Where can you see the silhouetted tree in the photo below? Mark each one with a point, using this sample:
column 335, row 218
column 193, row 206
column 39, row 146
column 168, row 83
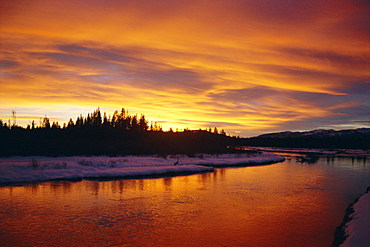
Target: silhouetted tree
column 134, row 124
column 55, row 125
column 79, row 121
column 114, row 119
column 70, row 123
column 96, row 119
column 143, row 123
column 46, row 122
column 106, row 123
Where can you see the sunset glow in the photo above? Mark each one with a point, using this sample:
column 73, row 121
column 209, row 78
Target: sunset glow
column 248, row 67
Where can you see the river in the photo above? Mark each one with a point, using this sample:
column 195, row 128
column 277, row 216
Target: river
column 285, row 204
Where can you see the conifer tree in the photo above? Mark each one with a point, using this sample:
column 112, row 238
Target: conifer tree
column 143, row 124
column 46, row 122
column 134, row 124
column 70, row 123
column 114, row 118
column 106, row 123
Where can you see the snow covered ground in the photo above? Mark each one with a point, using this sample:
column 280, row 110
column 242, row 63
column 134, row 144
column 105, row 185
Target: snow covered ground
column 34, row 169
column 358, row 228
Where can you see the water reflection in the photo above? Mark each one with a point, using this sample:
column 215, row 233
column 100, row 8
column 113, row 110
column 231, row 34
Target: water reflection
column 287, row 204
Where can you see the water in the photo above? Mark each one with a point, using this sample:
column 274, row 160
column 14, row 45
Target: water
column 285, row 204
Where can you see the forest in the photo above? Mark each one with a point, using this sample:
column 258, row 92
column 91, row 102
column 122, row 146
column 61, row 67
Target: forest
column 97, row 134
column 350, row 141
column 125, row 134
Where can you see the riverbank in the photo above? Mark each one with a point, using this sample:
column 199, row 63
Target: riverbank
column 39, row 169
column 355, row 229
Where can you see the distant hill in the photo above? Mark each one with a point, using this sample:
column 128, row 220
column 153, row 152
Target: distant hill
column 320, row 138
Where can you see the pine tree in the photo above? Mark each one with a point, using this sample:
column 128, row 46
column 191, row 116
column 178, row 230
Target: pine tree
column 134, row 124
column 114, row 118
column 70, row 123
column 46, row 122
column 55, row 125
column 96, row 119
column 106, row 123
column 143, row 124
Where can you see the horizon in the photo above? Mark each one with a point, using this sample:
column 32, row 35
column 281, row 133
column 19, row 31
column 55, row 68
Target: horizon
column 248, row 67
column 12, row 122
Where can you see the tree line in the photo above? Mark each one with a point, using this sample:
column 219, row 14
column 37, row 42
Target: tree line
column 99, row 134
column 121, row 120
column 356, row 141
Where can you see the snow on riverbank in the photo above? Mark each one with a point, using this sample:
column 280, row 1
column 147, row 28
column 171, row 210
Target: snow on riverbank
column 358, row 228
column 32, row 169
column 226, row 160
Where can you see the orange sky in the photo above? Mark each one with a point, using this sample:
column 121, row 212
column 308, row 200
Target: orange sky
column 249, row 67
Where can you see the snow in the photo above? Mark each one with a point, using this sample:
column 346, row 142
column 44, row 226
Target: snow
column 358, row 229
column 35, row 169
column 225, row 160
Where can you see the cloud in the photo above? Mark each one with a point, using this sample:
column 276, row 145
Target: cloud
column 250, row 66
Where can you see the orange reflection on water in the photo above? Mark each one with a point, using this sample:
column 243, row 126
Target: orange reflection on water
column 287, row 204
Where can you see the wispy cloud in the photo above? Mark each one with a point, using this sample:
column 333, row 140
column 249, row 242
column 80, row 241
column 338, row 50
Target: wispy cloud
column 246, row 66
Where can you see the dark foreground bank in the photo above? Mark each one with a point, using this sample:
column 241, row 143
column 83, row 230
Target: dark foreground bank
column 354, row 231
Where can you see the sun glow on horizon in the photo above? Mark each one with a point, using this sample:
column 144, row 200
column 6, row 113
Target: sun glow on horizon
column 247, row 66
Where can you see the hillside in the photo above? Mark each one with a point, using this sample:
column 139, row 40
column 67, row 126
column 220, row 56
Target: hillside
column 349, row 138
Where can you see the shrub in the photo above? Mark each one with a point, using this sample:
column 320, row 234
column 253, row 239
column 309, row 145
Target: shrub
column 112, row 163
column 34, row 164
column 200, row 156
column 60, row 165
column 84, row 163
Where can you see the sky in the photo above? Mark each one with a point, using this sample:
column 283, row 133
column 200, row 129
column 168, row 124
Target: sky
column 248, row 67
